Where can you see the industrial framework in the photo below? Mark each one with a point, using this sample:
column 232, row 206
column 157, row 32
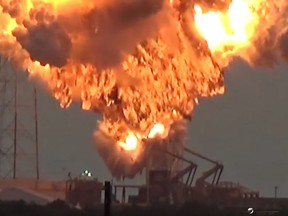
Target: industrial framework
column 19, row 151
column 165, row 186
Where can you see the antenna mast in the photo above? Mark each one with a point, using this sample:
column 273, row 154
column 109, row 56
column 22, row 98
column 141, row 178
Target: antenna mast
column 19, row 150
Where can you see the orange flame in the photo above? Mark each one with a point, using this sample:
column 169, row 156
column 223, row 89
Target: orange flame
column 227, row 33
column 160, row 81
column 131, row 142
column 157, row 129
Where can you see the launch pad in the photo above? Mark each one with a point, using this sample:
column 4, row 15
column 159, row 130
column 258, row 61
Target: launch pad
column 168, row 186
column 163, row 186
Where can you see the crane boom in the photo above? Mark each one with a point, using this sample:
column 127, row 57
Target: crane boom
column 190, row 169
column 215, row 170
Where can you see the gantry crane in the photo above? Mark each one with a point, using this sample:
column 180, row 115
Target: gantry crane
column 190, row 170
column 215, row 171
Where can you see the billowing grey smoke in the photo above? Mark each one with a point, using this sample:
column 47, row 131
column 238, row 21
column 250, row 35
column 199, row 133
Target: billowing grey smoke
column 270, row 49
column 103, row 35
column 46, row 43
column 283, row 43
column 115, row 30
column 266, row 52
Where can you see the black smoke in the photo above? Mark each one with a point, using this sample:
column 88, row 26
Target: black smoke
column 111, row 32
column 102, row 36
column 283, row 43
column 46, row 43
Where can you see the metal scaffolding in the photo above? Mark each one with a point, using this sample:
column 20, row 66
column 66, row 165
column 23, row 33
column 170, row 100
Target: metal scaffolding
column 19, row 152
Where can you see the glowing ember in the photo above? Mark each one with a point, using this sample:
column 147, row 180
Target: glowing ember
column 138, row 62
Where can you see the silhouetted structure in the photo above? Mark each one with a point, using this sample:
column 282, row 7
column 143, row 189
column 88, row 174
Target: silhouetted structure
column 18, row 124
column 107, row 198
column 83, row 193
column 60, row 208
column 165, row 186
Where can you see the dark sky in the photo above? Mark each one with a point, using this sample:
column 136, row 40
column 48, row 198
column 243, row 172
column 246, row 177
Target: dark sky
column 246, row 129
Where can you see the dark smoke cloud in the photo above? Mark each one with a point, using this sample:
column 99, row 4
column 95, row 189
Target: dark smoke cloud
column 265, row 54
column 270, row 47
column 101, row 36
column 47, row 43
column 283, row 44
column 114, row 30
column 124, row 13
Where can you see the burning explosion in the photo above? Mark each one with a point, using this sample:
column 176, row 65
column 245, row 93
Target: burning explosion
column 142, row 64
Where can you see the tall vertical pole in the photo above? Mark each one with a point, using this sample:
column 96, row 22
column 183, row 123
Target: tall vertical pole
column 107, row 198
column 36, row 135
column 275, row 192
column 2, row 112
column 148, row 181
column 15, row 126
column 17, row 105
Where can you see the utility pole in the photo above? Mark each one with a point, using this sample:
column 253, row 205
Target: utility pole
column 36, row 135
column 19, row 147
column 107, row 198
column 275, row 191
column 15, row 125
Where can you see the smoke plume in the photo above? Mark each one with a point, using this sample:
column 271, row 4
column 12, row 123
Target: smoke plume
column 140, row 63
column 100, row 36
column 48, row 44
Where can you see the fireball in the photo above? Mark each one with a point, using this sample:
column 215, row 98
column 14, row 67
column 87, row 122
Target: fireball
column 142, row 65
column 228, row 32
column 131, row 142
